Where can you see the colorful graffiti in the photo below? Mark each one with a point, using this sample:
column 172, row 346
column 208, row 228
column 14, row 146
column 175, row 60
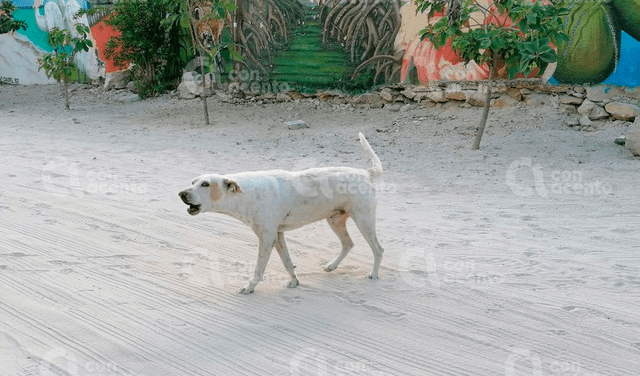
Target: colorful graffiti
column 384, row 37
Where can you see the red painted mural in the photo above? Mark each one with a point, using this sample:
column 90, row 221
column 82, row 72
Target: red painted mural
column 101, row 33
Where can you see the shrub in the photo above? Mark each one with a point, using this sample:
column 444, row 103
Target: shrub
column 151, row 45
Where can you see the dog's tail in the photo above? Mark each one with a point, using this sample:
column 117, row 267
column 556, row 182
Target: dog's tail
column 376, row 170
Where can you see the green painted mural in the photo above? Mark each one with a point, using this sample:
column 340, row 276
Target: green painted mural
column 354, row 44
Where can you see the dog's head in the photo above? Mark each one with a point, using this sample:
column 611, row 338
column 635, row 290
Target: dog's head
column 206, row 191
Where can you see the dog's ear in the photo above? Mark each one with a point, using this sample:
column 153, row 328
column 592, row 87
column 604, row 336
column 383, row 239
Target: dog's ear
column 232, row 186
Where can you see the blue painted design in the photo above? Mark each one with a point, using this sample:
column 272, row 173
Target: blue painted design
column 33, row 33
column 29, row 3
column 25, row 13
column 628, row 71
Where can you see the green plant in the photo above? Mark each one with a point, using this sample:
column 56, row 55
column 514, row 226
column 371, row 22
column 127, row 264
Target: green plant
column 146, row 41
column 59, row 63
column 518, row 33
column 7, row 23
column 216, row 46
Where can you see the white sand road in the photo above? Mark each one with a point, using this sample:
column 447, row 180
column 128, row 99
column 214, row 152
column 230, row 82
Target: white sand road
column 490, row 267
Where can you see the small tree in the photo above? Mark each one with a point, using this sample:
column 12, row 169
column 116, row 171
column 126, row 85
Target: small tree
column 518, row 33
column 59, row 64
column 219, row 11
column 7, row 23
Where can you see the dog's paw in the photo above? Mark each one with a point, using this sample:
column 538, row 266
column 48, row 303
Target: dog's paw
column 246, row 289
column 292, row 284
column 330, row 267
column 370, row 275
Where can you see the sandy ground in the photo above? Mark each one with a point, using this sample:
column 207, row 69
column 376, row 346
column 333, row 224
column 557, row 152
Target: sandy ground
column 522, row 258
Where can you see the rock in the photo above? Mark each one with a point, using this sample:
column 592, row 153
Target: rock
column 386, row 94
column 454, row 91
column 407, row 107
column 504, row 101
column 283, row 97
column 372, row 99
column 623, row 111
column 191, row 76
column 394, row 107
column 585, row 122
column 187, row 89
column 127, row 98
column 451, row 105
column 415, row 93
column 437, row 96
column 224, row 97
column 632, row 92
column 192, row 89
column 536, row 100
column 602, row 92
column 572, row 122
column 586, row 107
column 117, row 80
column 515, row 94
column 622, row 140
column 131, row 86
column 578, row 95
column 269, row 96
column 426, row 102
column 327, row 95
column 598, row 113
column 295, row 95
column 570, row 99
column 525, row 91
column 296, row 124
column 567, row 109
column 633, row 138
column 476, row 99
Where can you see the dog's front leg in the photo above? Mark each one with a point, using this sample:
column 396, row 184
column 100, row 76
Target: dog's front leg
column 266, row 243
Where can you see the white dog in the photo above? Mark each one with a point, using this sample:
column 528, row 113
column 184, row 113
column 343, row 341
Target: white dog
column 272, row 202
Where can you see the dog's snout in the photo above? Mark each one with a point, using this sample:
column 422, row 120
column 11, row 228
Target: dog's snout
column 184, row 195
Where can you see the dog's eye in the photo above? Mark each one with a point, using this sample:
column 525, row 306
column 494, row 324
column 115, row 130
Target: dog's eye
column 205, row 184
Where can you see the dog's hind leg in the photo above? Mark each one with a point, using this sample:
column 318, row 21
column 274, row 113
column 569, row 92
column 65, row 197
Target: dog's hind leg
column 283, row 252
column 266, row 242
column 366, row 223
column 338, row 224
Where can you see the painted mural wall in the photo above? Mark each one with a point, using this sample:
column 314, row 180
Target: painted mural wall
column 19, row 52
column 338, row 40
column 604, row 47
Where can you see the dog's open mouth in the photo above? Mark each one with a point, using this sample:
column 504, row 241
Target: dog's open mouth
column 193, row 209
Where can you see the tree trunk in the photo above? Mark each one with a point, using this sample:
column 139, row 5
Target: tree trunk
column 237, row 29
column 66, row 93
column 204, row 90
column 487, row 103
